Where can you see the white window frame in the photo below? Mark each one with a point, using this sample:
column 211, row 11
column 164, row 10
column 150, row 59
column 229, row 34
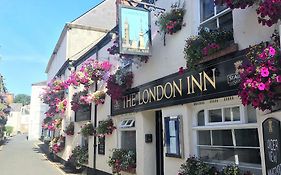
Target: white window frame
column 229, row 125
column 216, row 15
column 128, row 128
column 241, row 111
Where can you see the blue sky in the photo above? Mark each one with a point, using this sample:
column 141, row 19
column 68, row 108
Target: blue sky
column 29, row 30
column 142, row 22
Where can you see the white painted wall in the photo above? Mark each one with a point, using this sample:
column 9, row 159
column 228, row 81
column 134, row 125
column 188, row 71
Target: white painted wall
column 14, row 121
column 37, row 110
column 59, row 59
column 102, row 16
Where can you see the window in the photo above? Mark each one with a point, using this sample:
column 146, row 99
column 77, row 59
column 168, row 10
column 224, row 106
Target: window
column 127, row 134
column 213, row 17
column 127, row 123
column 220, row 115
column 240, row 146
column 85, row 142
column 224, row 136
column 172, row 139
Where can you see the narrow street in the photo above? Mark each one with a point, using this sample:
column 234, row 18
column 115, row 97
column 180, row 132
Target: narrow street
column 19, row 156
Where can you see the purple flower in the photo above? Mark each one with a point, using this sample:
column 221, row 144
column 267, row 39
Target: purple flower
column 261, row 86
column 264, row 72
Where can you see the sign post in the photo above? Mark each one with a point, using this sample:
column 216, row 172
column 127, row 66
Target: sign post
column 272, row 144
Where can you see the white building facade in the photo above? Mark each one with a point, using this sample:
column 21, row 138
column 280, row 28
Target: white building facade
column 37, row 110
column 168, row 128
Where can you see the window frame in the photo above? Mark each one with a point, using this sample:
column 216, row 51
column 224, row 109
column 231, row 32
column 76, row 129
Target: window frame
column 232, row 125
column 121, row 129
column 241, row 111
column 216, row 15
column 179, row 137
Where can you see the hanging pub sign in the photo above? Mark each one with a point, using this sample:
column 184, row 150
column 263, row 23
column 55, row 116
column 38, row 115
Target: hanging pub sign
column 272, row 146
column 217, row 78
column 134, row 31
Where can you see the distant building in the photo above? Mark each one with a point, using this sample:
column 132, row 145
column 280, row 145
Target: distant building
column 24, row 118
column 14, row 118
column 37, row 110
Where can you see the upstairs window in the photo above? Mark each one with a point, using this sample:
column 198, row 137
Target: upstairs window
column 215, row 16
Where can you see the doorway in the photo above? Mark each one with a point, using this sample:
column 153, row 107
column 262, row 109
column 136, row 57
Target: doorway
column 159, row 144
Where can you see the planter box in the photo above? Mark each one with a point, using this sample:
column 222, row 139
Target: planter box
column 233, row 47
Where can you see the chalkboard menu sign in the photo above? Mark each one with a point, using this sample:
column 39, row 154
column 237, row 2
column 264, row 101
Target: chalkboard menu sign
column 272, row 146
column 83, row 113
column 101, row 145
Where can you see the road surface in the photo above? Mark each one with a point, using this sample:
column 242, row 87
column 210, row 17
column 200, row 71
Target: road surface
column 21, row 157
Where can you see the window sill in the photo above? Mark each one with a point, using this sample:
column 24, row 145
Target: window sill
column 233, row 47
column 173, row 155
column 226, row 126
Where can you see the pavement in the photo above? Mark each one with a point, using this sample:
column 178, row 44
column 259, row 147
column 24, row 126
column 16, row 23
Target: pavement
column 19, row 156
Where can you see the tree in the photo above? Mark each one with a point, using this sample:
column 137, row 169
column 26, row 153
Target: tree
column 9, row 130
column 22, row 98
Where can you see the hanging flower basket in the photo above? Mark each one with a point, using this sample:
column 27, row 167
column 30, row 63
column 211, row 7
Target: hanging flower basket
column 98, row 97
column 53, row 96
column 79, row 100
column 58, row 122
column 269, row 12
column 260, row 77
column 87, row 129
column 118, row 83
column 106, row 127
column 172, row 21
column 57, row 144
column 208, row 45
column 122, row 160
column 69, row 130
column 90, row 72
column 79, row 156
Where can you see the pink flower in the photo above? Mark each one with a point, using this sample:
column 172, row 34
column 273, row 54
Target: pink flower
column 264, row 72
column 272, row 51
column 255, row 102
column 278, row 78
column 261, row 97
column 262, row 56
column 261, row 86
column 181, row 70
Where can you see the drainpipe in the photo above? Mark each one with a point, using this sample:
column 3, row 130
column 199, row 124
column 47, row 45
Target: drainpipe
column 279, row 34
column 95, row 122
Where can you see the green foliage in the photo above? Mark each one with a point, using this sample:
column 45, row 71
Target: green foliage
column 79, row 155
column 122, row 160
column 172, row 21
column 9, row 130
column 231, row 170
column 197, row 47
column 194, row 166
column 22, row 98
column 87, row 129
column 105, row 127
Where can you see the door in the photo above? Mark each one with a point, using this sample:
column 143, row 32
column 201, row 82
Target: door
column 159, row 144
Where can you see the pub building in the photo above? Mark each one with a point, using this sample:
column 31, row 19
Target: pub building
column 168, row 115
